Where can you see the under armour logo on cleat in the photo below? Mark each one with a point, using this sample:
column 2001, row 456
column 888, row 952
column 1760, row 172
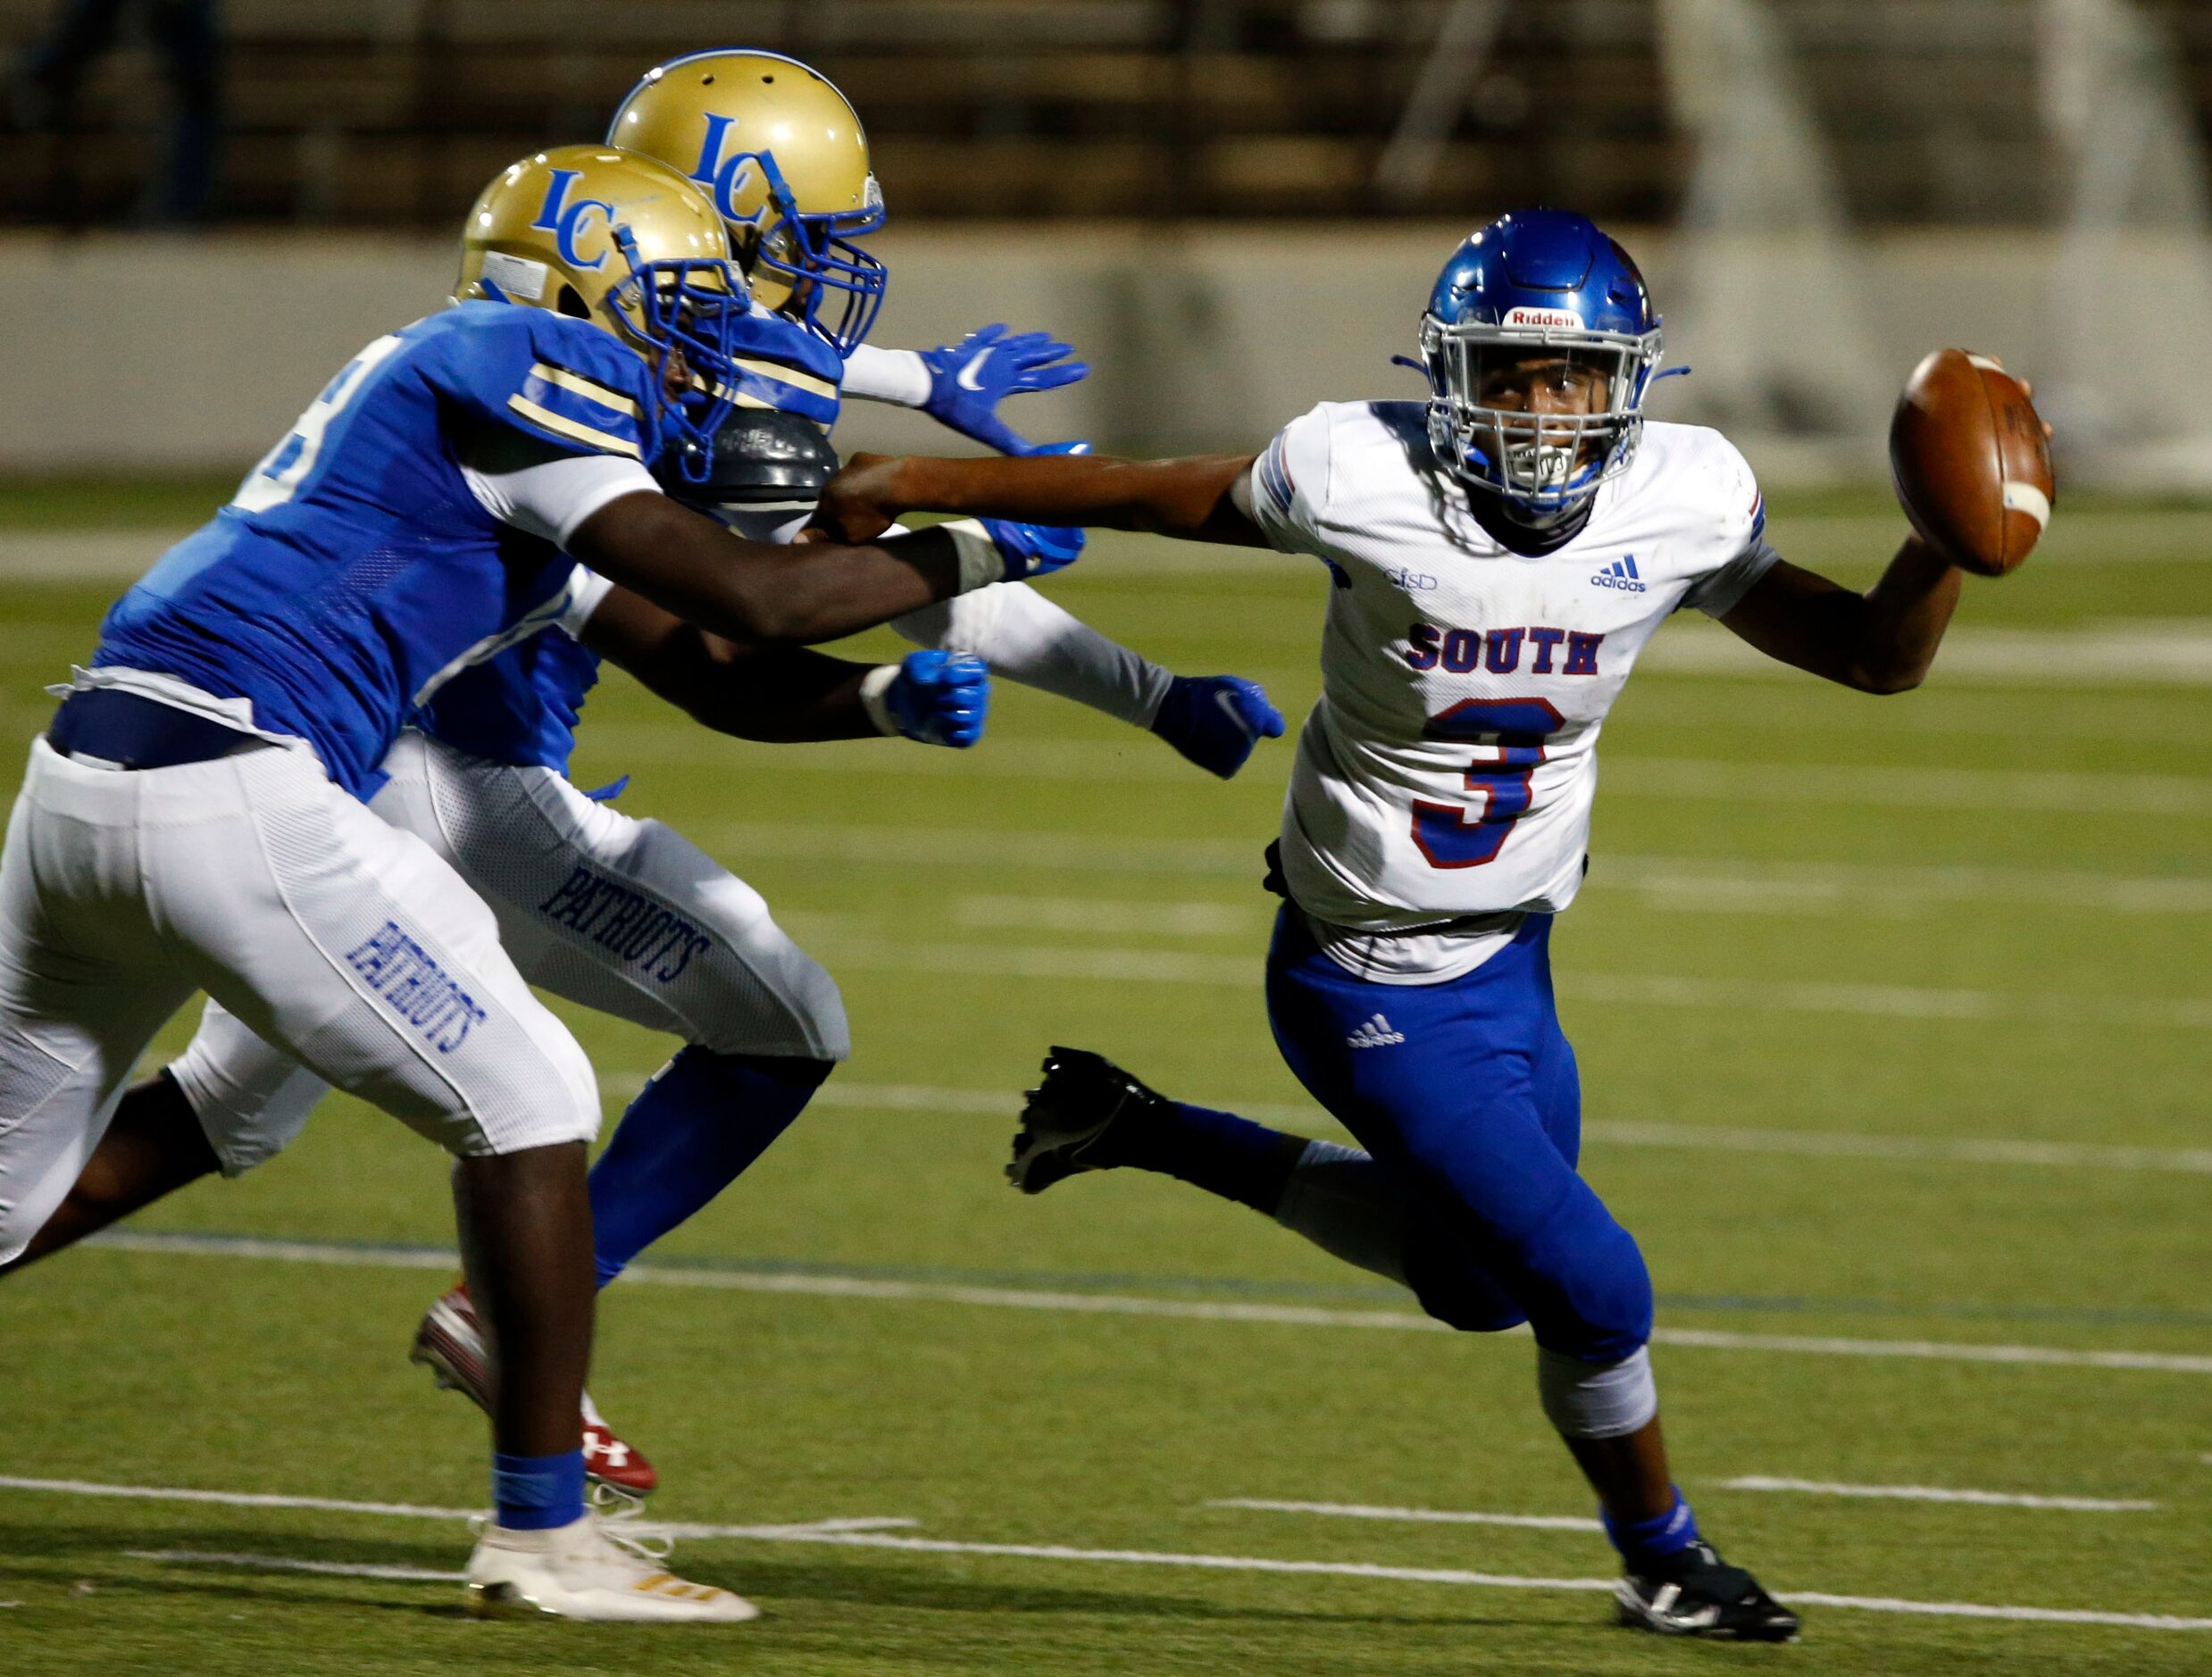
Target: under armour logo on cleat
column 1375, row 1033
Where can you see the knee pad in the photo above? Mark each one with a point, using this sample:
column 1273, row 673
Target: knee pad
column 1596, row 1400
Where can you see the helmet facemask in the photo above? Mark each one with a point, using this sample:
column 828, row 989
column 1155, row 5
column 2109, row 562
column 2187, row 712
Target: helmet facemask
column 1541, row 417
column 814, row 255
column 682, row 314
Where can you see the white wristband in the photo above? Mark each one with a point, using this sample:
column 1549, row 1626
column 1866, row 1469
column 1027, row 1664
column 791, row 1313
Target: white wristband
column 875, row 697
column 981, row 562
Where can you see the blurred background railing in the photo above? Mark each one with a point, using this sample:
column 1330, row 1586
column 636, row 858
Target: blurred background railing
column 381, row 113
column 1817, row 183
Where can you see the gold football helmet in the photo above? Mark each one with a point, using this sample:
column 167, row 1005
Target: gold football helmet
column 627, row 244
column 782, row 155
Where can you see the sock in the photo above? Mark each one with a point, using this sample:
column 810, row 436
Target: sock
column 1347, row 1206
column 1647, row 1546
column 688, row 1135
column 536, row 1493
column 1217, row 1151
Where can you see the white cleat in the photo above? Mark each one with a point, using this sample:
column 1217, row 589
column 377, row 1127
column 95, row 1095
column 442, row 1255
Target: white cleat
column 583, row 1572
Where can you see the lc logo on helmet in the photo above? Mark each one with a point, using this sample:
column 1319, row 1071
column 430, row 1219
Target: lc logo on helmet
column 719, row 174
column 567, row 222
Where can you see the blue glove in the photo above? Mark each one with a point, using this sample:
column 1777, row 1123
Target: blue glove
column 1034, row 550
column 939, row 699
column 1216, row 720
column 970, row 378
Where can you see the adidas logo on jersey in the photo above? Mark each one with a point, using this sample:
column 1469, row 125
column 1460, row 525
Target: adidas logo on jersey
column 1620, row 574
column 1375, row 1033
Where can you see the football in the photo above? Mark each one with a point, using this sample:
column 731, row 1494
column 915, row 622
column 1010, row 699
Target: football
column 1971, row 460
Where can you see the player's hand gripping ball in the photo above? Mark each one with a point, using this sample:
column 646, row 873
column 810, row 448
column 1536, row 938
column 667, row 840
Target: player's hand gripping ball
column 1972, row 461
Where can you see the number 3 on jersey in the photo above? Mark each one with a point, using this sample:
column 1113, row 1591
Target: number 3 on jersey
column 1450, row 835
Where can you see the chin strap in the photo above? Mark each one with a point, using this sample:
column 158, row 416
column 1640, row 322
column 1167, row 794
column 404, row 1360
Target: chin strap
column 1496, row 515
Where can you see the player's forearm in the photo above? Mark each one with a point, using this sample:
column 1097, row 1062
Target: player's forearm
column 1881, row 641
column 758, row 592
column 1026, row 638
column 1190, row 497
column 1903, row 617
column 786, row 695
column 778, row 694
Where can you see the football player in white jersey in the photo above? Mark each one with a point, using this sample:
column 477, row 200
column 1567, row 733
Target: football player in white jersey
column 1499, row 555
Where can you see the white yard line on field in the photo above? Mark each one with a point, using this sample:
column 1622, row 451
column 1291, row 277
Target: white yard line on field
column 1688, row 887
column 1645, row 989
column 826, row 1534
column 83, row 556
column 888, row 1291
column 999, row 913
column 1931, row 1493
column 2113, row 653
column 1897, row 786
column 1738, row 886
column 1728, row 883
column 1437, row 1516
column 288, row 1563
column 1697, row 780
column 2066, row 1155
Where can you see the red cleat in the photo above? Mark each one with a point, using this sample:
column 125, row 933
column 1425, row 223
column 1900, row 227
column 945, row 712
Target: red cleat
column 450, row 1344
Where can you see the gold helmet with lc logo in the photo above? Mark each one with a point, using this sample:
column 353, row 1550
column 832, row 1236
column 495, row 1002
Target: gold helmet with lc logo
column 781, row 155
column 627, row 244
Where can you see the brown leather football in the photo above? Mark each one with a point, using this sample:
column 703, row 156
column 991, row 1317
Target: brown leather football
column 1971, row 462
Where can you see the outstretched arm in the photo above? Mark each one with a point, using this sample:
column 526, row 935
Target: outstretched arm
column 1881, row 641
column 758, row 591
column 773, row 693
column 787, row 694
column 962, row 385
column 1026, row 638
column 1194, row 499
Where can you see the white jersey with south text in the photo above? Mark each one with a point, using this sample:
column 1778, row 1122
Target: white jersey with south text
column 1444, row 780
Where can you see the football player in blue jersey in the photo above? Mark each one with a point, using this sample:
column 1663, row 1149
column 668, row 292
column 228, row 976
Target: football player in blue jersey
column 785, row 158
column 193, row 817
column 628, row 916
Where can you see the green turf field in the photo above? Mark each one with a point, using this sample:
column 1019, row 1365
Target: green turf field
column 1894, row 1019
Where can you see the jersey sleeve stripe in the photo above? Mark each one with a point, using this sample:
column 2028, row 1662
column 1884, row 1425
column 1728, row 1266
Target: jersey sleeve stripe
column 791, row 376
column 1275, row 478
column 749, row 394
column 753, row 390
column 575, row 431
column 591, row 390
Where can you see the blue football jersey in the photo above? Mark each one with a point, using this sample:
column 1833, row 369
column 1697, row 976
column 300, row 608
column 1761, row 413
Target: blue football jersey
column 355, row 573
column 521, row 707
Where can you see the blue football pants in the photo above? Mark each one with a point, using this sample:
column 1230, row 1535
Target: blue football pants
column 1475, row 1120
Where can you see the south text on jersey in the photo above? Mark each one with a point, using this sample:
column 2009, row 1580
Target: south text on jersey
column 1539, row 649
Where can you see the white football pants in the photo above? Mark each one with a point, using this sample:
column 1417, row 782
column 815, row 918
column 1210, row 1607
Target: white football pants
column 624, row 916
column 325, row 929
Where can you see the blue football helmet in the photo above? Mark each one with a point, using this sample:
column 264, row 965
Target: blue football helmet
column 1539, row 343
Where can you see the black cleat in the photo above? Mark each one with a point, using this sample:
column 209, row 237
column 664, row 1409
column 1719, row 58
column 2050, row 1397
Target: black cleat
column 1701, row 1595
column 1069, row 1121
